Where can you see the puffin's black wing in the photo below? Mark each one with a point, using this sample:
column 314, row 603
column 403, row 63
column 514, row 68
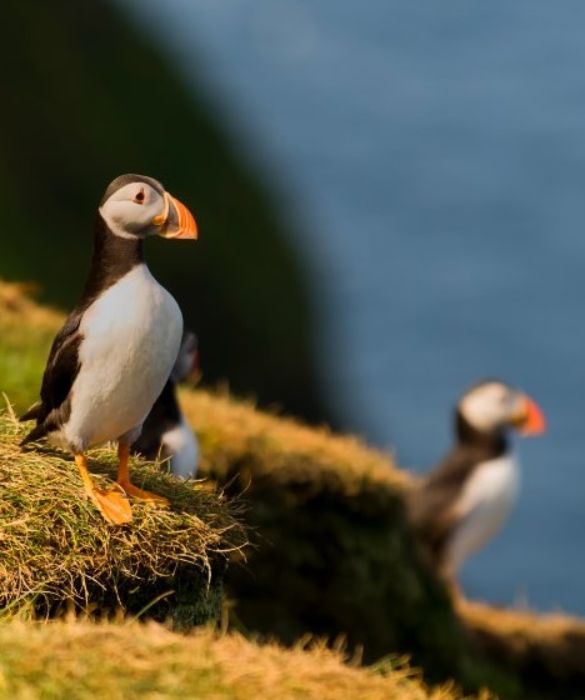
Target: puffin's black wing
column 432, row 504
column 60, row 372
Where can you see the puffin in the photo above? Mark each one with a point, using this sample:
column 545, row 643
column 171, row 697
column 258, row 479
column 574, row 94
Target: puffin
column 112, row 358
column 166, row 431
column 465, row 500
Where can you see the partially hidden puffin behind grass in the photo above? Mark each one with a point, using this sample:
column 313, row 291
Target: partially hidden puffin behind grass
column 115, row 352
column 166, row 432
column 466, row 499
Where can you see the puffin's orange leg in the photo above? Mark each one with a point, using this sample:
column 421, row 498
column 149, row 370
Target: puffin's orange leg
column 124, row 480
column 111, row 504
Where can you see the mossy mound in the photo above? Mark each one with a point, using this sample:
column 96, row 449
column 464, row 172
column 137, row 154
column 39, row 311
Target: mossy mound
column 57, row 551
column 334, row 554
column 124, row 661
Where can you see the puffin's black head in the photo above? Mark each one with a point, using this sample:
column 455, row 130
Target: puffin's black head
column 491, row 408
column 136, row 206
column 187, row 364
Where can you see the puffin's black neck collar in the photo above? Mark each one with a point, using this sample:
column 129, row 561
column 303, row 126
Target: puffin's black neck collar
column 492, row 444
column 112, row 258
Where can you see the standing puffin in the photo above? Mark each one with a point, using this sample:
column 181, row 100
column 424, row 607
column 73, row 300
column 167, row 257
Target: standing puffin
column 166, row 430
column 465, row 500
column 115, row 352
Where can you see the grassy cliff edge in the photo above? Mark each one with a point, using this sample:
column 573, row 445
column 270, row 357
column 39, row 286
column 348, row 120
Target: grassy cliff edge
column 333, row 555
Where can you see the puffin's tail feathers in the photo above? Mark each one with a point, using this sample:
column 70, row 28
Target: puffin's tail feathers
column 32, row 413
column 36, row 434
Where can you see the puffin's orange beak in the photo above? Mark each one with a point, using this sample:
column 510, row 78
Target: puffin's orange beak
column 530, row 419
column 176, row 221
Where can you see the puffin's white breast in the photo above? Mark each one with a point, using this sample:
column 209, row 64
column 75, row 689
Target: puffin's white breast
column 486, row 501
column 180, row 443
column 131, row 337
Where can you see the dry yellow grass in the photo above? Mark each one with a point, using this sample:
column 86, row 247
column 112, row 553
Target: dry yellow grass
column 82, row 660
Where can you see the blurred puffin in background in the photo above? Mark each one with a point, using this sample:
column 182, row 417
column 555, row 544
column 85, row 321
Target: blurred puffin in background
column 466, row 499
column 166, row 431
column 111, row 359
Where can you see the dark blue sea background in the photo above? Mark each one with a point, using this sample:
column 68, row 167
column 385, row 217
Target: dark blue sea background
column 432, row 155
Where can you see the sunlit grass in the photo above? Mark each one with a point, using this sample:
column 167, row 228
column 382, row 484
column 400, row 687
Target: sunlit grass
column 122, row 661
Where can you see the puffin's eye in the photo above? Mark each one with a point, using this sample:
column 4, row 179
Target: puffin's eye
column 139, row 198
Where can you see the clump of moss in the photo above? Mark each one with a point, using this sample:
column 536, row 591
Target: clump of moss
column 57, row 550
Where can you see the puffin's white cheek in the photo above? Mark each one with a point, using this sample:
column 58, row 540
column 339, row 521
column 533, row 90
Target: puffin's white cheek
column 482, row 412
column 140, row 217
column 126, row 218
column 129, row 216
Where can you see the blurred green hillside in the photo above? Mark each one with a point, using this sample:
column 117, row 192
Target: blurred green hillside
column 85, row 98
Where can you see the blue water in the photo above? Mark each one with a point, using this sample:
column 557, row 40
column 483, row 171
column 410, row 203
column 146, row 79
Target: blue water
column 434, row 156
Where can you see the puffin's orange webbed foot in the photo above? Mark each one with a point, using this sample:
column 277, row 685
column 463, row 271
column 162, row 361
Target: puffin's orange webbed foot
column 113, row 505
column 129, row 488
column 143, row 495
